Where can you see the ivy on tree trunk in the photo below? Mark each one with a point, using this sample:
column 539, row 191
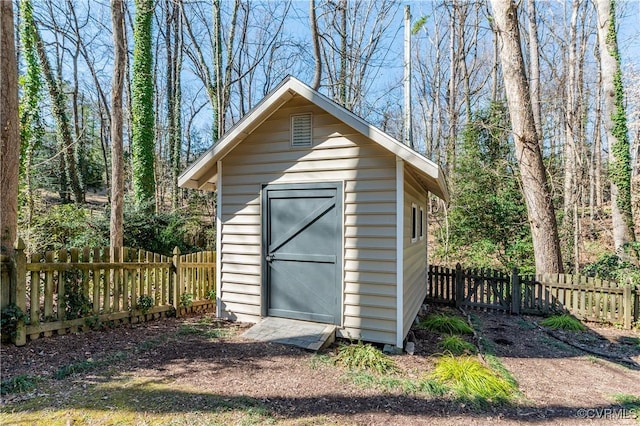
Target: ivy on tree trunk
column 143, row 126
column 615, row 124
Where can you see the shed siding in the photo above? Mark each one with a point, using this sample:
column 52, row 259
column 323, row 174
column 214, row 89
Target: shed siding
column 338, row 154
column 415, row 254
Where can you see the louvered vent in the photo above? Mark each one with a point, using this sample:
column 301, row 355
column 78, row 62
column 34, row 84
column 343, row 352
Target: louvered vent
column 301, row 130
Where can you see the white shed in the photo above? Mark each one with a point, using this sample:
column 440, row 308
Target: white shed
column 320, row 217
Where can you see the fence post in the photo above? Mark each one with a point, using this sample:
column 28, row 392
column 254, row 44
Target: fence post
column 177, row 280
column 516, row 292
column 627, row 303
column 459, row 282
column 19, row 288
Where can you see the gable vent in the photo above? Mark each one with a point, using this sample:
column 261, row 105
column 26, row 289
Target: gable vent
column 301, row 130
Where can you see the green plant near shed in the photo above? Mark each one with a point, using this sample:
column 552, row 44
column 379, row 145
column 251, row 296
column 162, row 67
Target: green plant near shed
column 456, row 345
column 445, row 324
column 563, row 322
column 145, row 302
column 9, row 318
column 186, row 300
column 364, row 356
column 472, row 381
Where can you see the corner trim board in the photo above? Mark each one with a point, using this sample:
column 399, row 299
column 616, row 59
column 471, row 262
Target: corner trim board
column 399, row 252
column 219, row 241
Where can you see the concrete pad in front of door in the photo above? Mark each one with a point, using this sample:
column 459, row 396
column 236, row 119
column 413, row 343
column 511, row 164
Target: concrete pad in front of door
column 303, row 334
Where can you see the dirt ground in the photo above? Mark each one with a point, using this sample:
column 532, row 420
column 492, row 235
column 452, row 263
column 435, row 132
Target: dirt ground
column 185, row 368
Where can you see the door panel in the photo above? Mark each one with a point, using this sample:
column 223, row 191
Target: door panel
column 301, row 242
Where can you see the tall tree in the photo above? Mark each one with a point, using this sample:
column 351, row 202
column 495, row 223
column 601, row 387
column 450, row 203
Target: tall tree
column 615, row 125
column 9, row 130
column 31, row 126
column 143, row 124
column 68, row 169
column 117, row 156
column 540, row 210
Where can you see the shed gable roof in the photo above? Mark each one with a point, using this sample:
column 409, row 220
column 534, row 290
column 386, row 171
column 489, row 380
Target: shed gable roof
column 202, row 174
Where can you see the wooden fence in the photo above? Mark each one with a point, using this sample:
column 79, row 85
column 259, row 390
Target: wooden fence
column 73, row 289
column 587, row 298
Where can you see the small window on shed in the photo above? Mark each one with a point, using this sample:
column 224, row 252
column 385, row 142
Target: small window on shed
column 301, row 130
column 414, row 223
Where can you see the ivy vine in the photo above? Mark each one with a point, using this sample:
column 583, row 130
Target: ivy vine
column 620, row 166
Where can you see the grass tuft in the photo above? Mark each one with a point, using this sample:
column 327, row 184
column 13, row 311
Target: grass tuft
column 424, row 385
column 563, row 322
column 472, row 381
column 88, row 365
column 18, row 384
column 363, row 356
column 210, row 333
column 445, row 324
column 456, row 345
column 631, row 403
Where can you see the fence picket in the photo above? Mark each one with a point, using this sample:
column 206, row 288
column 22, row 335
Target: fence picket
column 48, row 288
column 62, row 258
column 96, row 281
column 34, row 295
column 585, row 297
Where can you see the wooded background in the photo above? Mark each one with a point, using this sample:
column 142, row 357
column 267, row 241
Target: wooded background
column 116, row 98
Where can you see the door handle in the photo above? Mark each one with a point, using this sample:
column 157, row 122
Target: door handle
column 270, row 257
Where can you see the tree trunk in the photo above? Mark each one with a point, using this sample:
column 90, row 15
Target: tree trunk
column 534, row 67
column 571, row 124
column 142, row 105
column 9, row 130
column 317, row 69
column 116, row 225
column 615, row 125
column 540, row 210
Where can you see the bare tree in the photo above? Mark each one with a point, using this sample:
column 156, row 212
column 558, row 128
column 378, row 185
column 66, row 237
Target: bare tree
column 540, row 210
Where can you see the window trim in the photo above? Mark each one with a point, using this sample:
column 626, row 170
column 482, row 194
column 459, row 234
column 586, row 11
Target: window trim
column 421, row 224
column 414, row 222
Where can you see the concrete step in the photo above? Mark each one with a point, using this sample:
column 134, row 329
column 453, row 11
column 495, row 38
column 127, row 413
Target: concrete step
column 303, row 334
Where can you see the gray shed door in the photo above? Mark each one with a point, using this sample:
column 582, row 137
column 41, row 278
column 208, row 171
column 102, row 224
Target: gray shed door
column 301, row 248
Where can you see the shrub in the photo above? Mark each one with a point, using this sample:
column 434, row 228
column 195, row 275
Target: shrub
column 363, row 356
column 456, row 345
column 9, row 318
column 18, row 384
column 445, row 324
column 471, row 380
column 145, row 302
column 564, row 322
column 611, row 267
column 186, row 300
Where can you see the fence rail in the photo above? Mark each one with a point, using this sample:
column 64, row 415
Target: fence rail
column 587, row 298
column 81, row 288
